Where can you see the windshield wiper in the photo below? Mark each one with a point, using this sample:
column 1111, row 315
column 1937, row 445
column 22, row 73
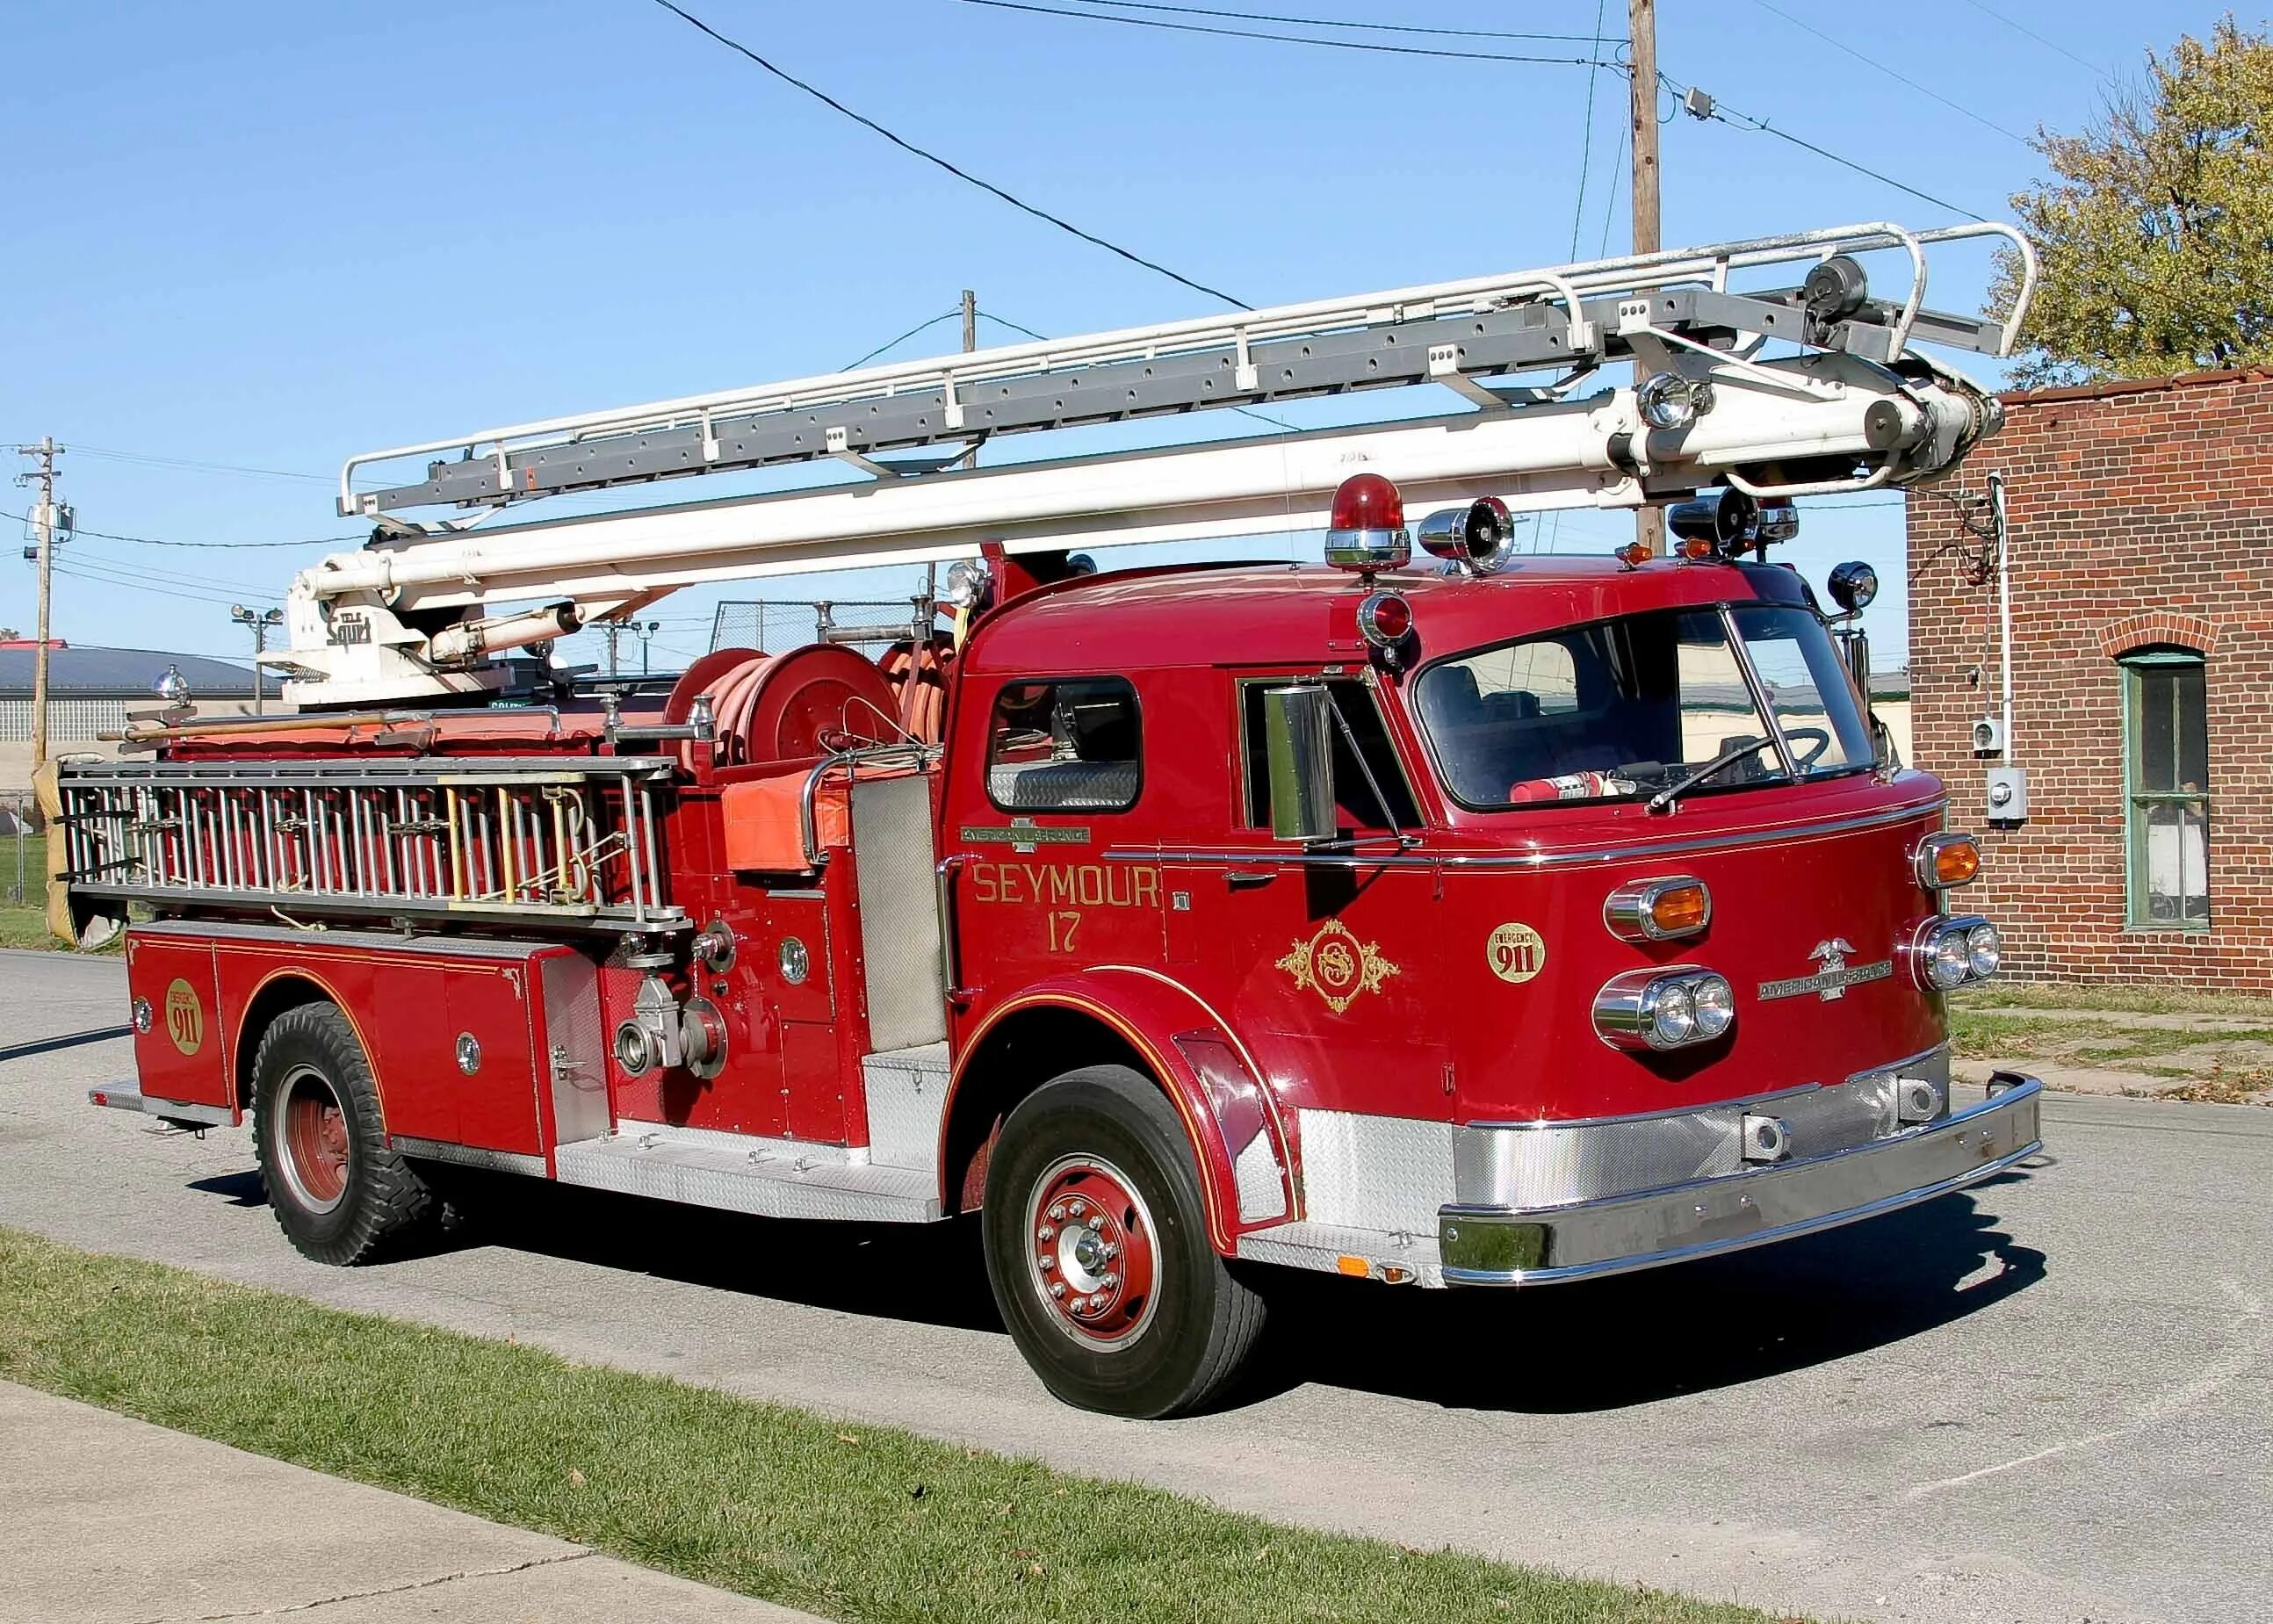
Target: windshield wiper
column 1664, row 798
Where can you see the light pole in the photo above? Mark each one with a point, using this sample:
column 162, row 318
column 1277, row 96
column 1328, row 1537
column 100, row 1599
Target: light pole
column 260, row 621
column 643, row 630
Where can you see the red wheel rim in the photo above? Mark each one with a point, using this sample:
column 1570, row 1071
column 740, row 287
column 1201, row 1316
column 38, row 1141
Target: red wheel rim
column 314, row 1142
column 1091, row 1252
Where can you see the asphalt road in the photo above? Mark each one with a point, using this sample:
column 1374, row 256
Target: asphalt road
column 2042, row 1401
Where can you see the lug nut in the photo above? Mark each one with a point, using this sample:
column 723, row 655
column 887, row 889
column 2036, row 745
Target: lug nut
column 1109, row 1281
column 1057, row 1288
column 1112, row 1249
column 1075, row 1208
column 1048, row 1232
column 1057, row 1213
column 1046, row 1262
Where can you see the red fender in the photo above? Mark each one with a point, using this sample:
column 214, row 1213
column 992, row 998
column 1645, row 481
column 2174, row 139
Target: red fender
column 1211, row 1078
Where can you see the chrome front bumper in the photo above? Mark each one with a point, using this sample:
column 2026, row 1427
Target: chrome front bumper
column 1518, row 1246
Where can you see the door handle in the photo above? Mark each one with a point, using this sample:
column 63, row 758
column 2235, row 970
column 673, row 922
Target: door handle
column 1238, row 877
column 950, row 951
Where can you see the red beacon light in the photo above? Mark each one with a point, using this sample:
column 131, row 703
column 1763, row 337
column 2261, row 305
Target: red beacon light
column 1367, row 531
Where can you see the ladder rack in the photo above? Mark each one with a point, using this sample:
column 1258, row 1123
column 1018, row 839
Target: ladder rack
column 1574, row 318
column 536, row 840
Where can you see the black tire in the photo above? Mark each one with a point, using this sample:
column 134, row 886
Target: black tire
column 349, row 1211
column 1175, row 1346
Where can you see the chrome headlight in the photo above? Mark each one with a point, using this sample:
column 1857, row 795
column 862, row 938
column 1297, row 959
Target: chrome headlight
column 1664, row 1009
column 1947, row 953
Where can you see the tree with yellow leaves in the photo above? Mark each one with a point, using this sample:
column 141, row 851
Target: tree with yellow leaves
column 2156, row 231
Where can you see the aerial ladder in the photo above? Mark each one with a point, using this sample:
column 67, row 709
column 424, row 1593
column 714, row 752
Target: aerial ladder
column 1800, row 382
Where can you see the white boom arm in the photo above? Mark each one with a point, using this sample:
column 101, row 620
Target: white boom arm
column 1855, row 408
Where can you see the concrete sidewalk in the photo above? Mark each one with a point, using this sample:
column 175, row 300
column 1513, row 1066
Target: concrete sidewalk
column 110, row 1519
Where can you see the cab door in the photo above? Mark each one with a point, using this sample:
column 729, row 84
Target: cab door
column 1057, row 778
column 1331, row 949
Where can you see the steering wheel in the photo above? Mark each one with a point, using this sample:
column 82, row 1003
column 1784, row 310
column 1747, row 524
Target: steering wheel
column 1817, row 736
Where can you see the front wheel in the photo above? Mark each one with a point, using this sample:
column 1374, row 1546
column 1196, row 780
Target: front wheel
column 340, row 1193
column 1097, row 1251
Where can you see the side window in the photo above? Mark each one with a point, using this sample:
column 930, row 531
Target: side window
column 1073, row 745
column 2166, row 784
column 1359, row 806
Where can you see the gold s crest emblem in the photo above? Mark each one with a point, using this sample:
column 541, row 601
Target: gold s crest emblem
column 1337, row 965
column 1515, row 952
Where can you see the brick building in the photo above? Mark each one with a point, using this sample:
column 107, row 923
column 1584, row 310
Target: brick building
column 2140, row 529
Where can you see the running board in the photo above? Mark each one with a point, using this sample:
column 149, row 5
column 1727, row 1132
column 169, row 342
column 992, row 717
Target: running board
column 1397, row 1257
column 741, row 1173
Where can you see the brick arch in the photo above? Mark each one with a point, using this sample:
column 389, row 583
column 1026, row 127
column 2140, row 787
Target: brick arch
column 2186, row 631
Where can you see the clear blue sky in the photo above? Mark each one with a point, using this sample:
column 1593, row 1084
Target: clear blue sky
column 273, row 234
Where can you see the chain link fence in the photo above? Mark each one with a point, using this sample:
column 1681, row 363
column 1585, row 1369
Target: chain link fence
column 777, row 624
column 23, row 857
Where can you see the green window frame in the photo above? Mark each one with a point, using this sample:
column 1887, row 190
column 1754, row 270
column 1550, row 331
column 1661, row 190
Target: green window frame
column 2166, row 789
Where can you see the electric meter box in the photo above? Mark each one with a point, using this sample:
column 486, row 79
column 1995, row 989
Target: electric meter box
column 2008, row 794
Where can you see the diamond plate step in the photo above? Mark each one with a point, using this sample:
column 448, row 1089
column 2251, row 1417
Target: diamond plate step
column 739, row 1173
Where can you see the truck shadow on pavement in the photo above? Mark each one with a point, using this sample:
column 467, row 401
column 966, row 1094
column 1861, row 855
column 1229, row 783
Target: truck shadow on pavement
column 1635, row 1339
column 1658, row 1333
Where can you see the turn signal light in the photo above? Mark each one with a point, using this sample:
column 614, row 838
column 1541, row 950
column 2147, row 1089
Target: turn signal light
column 1948, row 861
column 1658, row 910
column 1633, row 556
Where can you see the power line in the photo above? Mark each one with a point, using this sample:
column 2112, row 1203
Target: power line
column 1873, row 62
column 1725, row 115
column 1020, row 204
column 1328, row 22
column 1729, row 116
column 2048, row 44
column 131, row 585
column 920, row 326
column 220, row 546
column 1289, row 39
column 154, row 460
column 1587, row 131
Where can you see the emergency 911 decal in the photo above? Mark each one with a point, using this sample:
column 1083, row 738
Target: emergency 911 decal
column 185, row 1016
column 1515, row 952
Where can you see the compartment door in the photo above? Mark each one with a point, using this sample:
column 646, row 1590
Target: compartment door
column 180, row 1058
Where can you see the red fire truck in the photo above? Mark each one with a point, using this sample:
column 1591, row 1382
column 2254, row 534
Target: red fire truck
column 1514, row 919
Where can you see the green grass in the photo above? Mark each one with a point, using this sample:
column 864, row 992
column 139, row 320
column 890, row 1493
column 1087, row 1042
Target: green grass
column 2115, row 999
column 22, row 919
column 1983, row 1035
column 853, row 1521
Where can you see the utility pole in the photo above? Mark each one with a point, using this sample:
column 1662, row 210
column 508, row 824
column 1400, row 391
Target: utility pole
column 613, row 630
column 1641, row 34
column 43, row 519
column 969, row 343
column 260, row 621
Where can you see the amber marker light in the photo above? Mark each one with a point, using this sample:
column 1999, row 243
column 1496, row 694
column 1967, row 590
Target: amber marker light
column 1944, row 862
column 1658, row 910
column 1633, row 556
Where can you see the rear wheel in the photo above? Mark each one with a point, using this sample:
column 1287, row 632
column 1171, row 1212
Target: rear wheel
column 339, row 1193
column 1097, row 1251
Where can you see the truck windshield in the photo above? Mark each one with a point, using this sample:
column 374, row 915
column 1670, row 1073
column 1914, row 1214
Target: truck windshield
column 1627, row 707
